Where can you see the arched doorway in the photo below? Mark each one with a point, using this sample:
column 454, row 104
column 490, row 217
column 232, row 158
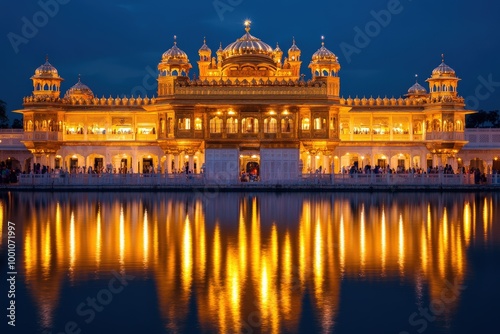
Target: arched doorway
column 477, row 163
column 253, row 170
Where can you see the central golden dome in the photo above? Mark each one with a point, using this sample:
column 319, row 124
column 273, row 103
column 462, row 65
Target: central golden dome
column 248, row 45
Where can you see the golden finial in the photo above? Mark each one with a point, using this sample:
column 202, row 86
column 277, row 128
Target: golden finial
column 293, row 40
column 204, row 40
column 46, row 58
column 442, row 57
column 322, row 40
column 79, row 77
column 247, row 25
column 175, row 39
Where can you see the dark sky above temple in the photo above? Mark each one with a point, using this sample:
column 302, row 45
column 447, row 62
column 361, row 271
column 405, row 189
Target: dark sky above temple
column 381, row 44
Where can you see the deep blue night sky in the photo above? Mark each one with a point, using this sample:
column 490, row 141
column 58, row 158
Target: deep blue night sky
column 116, row 44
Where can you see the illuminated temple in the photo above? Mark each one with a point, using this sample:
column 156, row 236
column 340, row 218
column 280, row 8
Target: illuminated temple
column 249, row 109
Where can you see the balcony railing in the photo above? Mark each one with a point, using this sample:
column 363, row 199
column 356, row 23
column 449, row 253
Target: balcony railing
column 447, row 136
column 67, row 180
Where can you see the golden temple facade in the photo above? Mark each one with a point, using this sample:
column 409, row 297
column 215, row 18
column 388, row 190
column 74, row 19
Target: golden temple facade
column 249, row 110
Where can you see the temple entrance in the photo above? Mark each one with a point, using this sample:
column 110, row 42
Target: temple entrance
column 98, row 164
column 477, row 163
column 123, row 166
column 250, row 167
column 251, row 172
column 73, row 164
column 147, row 165
column 496, row 166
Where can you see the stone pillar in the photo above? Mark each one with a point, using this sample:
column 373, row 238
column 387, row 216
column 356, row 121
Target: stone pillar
column 313, row 161
column 435, row 160
column 168, row 163
column 326, row 164
column 135, row 164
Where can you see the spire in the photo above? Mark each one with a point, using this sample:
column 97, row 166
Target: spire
column 416, row 78
column 46, row 58
column 322, row 40
column 442, row 57
column 175, row 39
column 247, row 25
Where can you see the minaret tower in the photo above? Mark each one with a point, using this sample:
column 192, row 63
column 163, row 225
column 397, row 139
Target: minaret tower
column 205, row 59
column 174, row 63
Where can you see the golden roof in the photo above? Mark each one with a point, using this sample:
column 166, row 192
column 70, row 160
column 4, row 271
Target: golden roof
column 248, row 45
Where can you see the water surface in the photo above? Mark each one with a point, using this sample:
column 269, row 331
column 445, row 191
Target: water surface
column 254, row 263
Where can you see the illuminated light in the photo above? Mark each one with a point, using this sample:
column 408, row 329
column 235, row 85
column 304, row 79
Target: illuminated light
column 122, row 237
column 401, row 248
column 58, row 156
column 98, row 242
column 186, row 156
column 362, row 238
column 317, row 157
column 187, row 257
column 285, row 112
column 254, row 156
column 145, row 239
column 362, row 157
column 196, row 158
column 495, row 158
column 149, row 157
column 72, row 244
column 335, row 157
column 272, row 112
column 241, row 155
column 467, row 223
column 219, row 113
column 74, row 156
column 230, row 112
column 383, row 240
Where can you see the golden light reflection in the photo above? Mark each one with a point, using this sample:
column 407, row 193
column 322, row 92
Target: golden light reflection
column 145, row 239
column 383, row 240
column 187, row 257
column 122, row 238
column 342, row 244
column 485, row 219
column 362, row 239
column 46, row 252
column 72, row 244
column 231, row 264
column 467, row 223
column 98, row 239
column 401, row 246
column 318, row 260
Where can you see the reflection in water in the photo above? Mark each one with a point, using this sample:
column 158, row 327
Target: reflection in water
column 248, row 261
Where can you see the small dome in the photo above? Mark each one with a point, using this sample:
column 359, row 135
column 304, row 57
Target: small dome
column 443, row 69
column 277, row 48
column 417, row 89
column 204, row 48
column 294, row 47
column 174, row 54
column 46, row 70
column 248, row 44
column 79, row 90
column 324, row 54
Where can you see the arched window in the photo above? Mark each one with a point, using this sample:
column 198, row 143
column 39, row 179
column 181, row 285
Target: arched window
column 184, row 124
column 286, row 125
column 306, row 124
column 198, row 124
column 232, row 125
column 270, row 125
column 215, row 125
column 318, row 123
column 250, row 125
